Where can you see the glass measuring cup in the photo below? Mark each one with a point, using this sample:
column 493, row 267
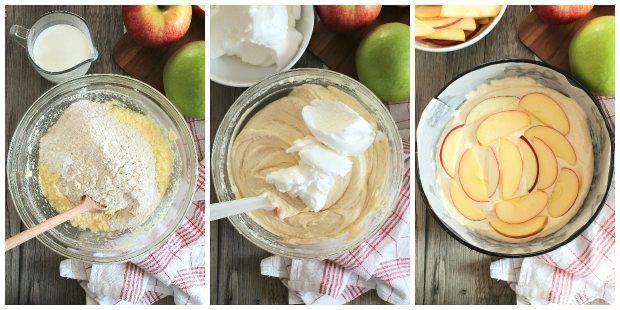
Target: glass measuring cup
column 27, row 37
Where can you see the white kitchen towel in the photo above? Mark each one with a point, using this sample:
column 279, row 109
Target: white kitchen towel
column 578, row 273
column 176, row 268
column 381, row 263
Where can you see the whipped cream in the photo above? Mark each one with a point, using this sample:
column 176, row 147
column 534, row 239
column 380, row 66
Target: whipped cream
column 313, row 178
column 335, row 124
column 260, row 35
column 338, row 132
column 315, row 155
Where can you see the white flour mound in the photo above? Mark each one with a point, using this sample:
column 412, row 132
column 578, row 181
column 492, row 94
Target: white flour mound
column 99, row 157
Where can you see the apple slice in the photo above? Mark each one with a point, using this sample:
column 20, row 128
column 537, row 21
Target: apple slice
column 521, row 209
column 474, row 11
column 561, row 147
column 471, row 33
column 441, row 22
column 546, row 110
column 448, row 34
column 547, row 164
column 564, row 193
column 500, row 125
column 465, row 24
column 422, row 30
column 448, row 155
column 511, row 166
column 521, row 230
column 491, row 170
column 464, row 204
column 483, row 20
column 530, row 163
column 426, row 11
column 471, row 176
column 491, row 106
column 444, row 42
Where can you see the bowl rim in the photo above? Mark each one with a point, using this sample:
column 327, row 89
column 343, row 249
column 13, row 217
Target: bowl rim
column 399, row 154
column 580, row 230
column 303, row 45
column 43, row 238
column 467, row 43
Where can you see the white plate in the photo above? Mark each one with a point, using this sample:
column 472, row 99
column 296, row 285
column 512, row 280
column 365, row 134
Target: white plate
column 231, row 71
column 429, row 47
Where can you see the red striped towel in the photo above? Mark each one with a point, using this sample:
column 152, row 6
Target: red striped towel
column 577, row 273
column 382, row 262
column 177, row 268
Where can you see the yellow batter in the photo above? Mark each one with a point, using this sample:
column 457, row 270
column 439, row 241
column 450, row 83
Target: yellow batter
column 163, row 167
column 260, row 148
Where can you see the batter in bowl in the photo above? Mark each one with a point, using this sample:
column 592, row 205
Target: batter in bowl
column 269, row 150
column 117, row 157
column 516, row 162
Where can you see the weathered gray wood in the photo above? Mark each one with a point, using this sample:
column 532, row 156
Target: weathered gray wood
column 235, row 262
column 447, row 272
column 32, row 275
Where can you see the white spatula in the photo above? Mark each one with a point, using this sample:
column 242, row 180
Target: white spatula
column 229, row 208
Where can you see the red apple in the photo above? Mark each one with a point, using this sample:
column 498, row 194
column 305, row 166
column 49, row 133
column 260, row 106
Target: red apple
column 561, row 14
column 199, row 10
column 153, row 25
column 344, row 18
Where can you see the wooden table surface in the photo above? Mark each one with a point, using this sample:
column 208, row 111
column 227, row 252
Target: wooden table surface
column 235, row 261
column 32, row 274
column 446, row 271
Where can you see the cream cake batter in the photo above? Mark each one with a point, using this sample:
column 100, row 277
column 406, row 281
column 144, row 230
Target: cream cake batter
column 117, row 157
column 261, row 148
column 485, row 211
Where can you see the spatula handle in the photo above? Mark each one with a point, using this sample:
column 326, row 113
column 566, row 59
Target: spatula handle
column 229, row 208
column 47, row 225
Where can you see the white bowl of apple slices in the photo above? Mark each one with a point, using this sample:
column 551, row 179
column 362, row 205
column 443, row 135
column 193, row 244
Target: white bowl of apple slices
column 446, row 28
column 504, row 158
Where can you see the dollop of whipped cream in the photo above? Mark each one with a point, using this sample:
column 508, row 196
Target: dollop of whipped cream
column 338, row 132
column 260, row 35
column 336, row 125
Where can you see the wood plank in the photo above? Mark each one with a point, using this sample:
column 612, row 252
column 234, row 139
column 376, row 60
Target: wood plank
column 235, row 271
column 32, row 274
column 447, row 272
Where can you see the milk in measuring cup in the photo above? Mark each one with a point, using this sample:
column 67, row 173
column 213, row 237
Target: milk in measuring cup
column 60, row 47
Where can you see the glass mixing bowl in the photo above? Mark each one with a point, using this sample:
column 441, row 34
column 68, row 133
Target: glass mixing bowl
column 33, row 207
column 269, row 90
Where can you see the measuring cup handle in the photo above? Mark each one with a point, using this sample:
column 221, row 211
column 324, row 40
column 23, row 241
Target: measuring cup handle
column 20, row 35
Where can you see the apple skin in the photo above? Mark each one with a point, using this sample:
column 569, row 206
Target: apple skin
column 443, row 145
column 198, row 10
column 345, row 18
column 184, row 79
column 456, row 21
column 529, row 190
column 591, row 55
column 561, row 14
column 382, row 62
column 152, row 26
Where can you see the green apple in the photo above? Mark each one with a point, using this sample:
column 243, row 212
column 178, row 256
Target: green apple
column 382, row 61
column 591, row 55
column 184, row 79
